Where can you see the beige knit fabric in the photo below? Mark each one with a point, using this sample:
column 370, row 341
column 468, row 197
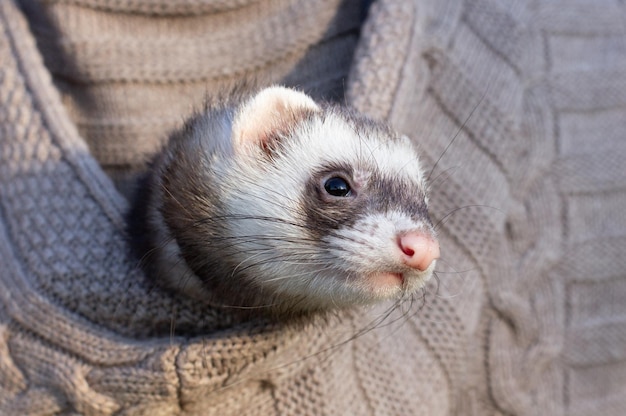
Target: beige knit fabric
column 530, row 315
column 127, row 77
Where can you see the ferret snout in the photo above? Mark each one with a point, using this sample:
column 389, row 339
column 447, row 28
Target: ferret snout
column 418, row 250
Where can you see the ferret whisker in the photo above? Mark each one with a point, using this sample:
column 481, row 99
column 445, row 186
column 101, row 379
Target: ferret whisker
column 410, row 316
column 293, row 276
column 265, row 242
column 304, row 273
column 369, row 327
column 241, row 217
column 446, row 172
column 308, row 258
column 461, row 127
column 276, row 259
column 270, row 192
column 326, row 216
column 409, row 163
column 304, row 262
column 405, row 316
column 172, row 325
column 247, row 259
column 374, row 324
column 454, row 270
column 364, row 243
column 439, row 281
column 438, row 285
column 441, row 221
column 143, row 260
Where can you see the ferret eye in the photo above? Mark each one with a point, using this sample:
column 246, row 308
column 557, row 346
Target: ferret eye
column 337, row 187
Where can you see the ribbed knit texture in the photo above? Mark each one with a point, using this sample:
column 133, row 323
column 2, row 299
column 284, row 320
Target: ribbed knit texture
column 529, row 316
column 130, row 72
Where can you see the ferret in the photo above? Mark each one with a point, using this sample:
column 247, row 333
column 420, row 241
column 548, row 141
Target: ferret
column 278, row 204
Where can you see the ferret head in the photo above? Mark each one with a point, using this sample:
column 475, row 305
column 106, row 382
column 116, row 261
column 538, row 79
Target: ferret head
column 306, row 207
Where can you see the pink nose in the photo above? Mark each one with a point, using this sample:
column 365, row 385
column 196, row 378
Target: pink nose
column 419, row 251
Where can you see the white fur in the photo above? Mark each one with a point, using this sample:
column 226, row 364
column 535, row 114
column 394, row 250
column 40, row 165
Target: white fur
column 274, row 192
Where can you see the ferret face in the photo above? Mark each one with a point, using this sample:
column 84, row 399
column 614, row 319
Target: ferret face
column 327, row 210
column 285, row 206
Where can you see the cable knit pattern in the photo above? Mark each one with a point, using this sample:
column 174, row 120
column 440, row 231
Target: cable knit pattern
column 492, row 79
column 528, row 316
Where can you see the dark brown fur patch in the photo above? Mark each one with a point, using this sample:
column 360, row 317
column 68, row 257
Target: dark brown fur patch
column 381, row 194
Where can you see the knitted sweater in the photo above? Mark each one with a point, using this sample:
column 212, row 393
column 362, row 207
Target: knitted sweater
column 518, row 106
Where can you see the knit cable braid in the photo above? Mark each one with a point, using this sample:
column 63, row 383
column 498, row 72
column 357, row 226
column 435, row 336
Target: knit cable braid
column 519, row 107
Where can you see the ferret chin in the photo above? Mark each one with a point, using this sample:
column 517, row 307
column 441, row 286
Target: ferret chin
column 279, row 205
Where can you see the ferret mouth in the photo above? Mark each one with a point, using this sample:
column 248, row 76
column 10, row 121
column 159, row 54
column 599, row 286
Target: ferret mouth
column 385, row 280
column 385, row 284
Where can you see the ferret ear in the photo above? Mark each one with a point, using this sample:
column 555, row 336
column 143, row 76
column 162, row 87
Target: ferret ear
column 270, row 115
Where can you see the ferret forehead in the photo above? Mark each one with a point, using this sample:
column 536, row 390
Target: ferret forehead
column 334, row 140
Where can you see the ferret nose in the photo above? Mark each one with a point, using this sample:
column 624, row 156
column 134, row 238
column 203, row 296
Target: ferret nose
column 418, row 250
